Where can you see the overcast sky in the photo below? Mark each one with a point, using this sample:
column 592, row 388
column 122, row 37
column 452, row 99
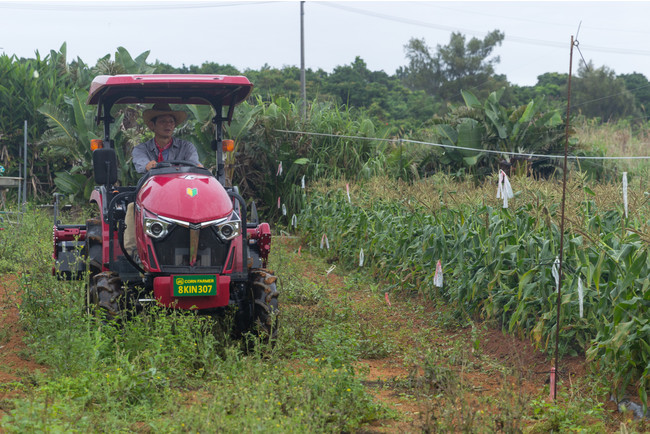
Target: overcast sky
column 254, row 33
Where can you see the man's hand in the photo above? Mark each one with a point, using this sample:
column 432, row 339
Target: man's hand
column 150, row 165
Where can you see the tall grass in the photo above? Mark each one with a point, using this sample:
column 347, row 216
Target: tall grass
column 620, row 139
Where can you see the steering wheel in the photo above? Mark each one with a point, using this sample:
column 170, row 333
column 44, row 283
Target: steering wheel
column 170, row 163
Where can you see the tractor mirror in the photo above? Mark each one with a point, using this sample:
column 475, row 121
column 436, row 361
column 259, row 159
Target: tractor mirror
column 105, row 166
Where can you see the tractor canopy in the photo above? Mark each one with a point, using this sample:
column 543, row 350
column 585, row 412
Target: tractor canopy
column 217, row 90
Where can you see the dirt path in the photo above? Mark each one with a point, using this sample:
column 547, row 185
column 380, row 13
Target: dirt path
column 15, row 365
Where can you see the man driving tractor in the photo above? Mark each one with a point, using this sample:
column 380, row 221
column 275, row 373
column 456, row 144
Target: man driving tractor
column 162, row 120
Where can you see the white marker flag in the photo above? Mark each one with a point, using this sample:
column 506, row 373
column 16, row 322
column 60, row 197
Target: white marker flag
column 555, row 271
column 294, row 221
column 504, row 189
column 324, row 242
column 581, row 295
column 625, row 192
column 361, row 258
column 302, row 182
column 437, row 278
column 284, row 209
column 279, row 169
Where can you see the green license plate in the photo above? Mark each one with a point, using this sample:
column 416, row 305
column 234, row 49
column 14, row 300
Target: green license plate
column 187, row 286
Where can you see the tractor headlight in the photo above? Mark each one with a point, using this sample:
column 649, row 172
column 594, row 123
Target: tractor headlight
column 155, row 228
column 230, row 229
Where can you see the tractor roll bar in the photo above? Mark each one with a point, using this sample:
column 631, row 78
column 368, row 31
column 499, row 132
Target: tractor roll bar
column 244, row 242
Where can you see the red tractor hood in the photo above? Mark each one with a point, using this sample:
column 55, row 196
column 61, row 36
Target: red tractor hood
column 189, row 197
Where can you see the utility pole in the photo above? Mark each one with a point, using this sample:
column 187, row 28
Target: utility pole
column 303, row 88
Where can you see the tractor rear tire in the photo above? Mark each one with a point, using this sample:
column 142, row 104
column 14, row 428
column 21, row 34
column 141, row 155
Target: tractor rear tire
column 107, row 296
column 265, row 299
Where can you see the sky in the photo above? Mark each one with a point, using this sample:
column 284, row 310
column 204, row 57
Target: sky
column 251, row 34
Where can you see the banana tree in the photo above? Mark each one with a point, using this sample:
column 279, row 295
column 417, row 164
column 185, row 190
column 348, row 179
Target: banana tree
column 124, row 63
column 72, row 127
column 492, row 126
column 237, row 130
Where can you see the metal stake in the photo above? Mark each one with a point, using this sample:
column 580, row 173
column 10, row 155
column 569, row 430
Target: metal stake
column 559, row 286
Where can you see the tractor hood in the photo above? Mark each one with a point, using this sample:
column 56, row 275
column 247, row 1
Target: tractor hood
column 189, row 197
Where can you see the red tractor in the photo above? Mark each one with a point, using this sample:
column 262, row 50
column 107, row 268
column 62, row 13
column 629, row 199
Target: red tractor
column 197, row 246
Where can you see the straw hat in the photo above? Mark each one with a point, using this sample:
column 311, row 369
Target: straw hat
column 160, row 109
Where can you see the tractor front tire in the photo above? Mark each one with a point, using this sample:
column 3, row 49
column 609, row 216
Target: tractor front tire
column 106, row 295
column 265, row 299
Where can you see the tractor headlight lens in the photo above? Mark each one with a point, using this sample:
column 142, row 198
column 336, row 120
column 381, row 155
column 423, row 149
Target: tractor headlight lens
column 155, row 228
column 226, row 231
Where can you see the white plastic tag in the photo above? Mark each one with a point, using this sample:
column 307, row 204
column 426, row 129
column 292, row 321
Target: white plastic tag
column 580, row 295
column 504, row 189
column 555, row 271
column 324, row 242
column 437, row 278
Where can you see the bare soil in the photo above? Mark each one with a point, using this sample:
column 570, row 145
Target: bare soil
column 16, row 367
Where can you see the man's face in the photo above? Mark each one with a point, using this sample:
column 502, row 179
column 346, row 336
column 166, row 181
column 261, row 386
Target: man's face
column 163, row 126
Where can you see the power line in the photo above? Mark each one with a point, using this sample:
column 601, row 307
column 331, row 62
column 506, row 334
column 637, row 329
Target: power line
column 546, row 23
column 72, row 6
column 518, row 39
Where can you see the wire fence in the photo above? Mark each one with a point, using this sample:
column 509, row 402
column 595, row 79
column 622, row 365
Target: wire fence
column 487, row 151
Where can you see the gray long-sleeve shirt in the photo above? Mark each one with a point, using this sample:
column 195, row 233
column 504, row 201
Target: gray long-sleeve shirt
column 147, row 151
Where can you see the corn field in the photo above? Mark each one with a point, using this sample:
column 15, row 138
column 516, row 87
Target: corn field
column 497, row 263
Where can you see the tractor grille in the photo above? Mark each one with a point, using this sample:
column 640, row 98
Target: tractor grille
column 173, row 252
